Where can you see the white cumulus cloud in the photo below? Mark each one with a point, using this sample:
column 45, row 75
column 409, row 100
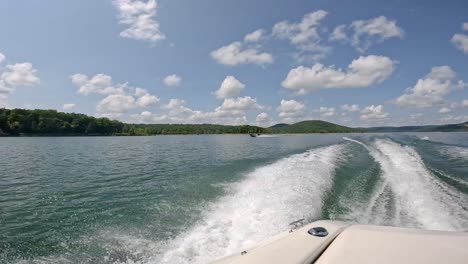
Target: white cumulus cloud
column 177, row 112
column 454, row 119
column 231, row 111
column 379, row 27
column 350, row 108
column 237, row 105
column 373, row 112
column 442, row 73
column 237, row 53
column 173, row 104
column 116, row 103
column 230, row 87
column 290, row 110
column 4, row 89
column 362, row 72
column 444, row 110
column 247, row 51
column 68, row 106
column 304, row 35
column 14, row 76
column 339, row 33
column 120, row 98
column 139, row 17
column 461, row 40
column 2, row 57
column 263, row 119
column 99, row 83
column 146, row 113
column 431, row 89
column 20, row 74
column 145, row 99
column 254, row 36
column 365, row 33
column 326, row 111
column 172, row 80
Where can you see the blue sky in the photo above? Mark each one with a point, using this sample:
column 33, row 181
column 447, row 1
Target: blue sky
column 357, row 63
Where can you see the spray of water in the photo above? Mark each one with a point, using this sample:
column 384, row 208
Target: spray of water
column 418, row 198
column 259, row 207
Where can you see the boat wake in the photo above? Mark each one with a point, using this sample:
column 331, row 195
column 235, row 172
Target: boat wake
column 455, row 152
column 376, row 181
column 267, row 136
column 262, row 205
column 413, row 195
column 259, row 207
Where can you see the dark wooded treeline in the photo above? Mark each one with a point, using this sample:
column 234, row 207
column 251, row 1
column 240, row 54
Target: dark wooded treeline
column 15, row 122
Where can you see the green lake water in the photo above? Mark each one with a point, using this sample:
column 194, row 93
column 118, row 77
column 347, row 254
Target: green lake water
column 194, row 199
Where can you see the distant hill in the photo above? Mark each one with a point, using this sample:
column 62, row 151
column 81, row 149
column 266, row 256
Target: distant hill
column 311, row 126
column 431, row 128
column 279, row 125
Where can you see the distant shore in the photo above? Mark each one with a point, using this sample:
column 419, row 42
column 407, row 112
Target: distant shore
column 34, row 123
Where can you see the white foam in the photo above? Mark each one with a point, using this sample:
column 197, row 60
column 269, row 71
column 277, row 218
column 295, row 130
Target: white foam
column 355, row 141
column 267, row 136
column 374, row 210
column 419, row 199
column 418, row 193
column 455, row 152
column 457, row 180
column 258, row 207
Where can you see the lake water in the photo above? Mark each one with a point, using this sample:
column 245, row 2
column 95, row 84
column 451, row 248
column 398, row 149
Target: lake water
column 193, row 199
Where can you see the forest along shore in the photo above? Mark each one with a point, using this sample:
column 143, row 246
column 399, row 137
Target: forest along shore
column 24, row 122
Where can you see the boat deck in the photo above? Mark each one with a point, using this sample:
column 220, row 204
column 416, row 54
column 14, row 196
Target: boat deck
column 358, row 244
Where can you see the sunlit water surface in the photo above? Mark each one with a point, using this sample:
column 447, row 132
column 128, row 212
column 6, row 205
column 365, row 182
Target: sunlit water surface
column 193, row 199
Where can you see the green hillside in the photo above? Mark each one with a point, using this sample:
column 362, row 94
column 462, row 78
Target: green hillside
column 312, row 126
column 279, row 125
column 462, row 127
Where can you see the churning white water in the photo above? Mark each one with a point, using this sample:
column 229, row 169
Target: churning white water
column 419, row 198
column 259, row 207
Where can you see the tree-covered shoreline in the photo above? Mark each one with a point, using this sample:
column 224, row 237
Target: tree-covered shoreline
column 29, row 123
column 23, row 122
